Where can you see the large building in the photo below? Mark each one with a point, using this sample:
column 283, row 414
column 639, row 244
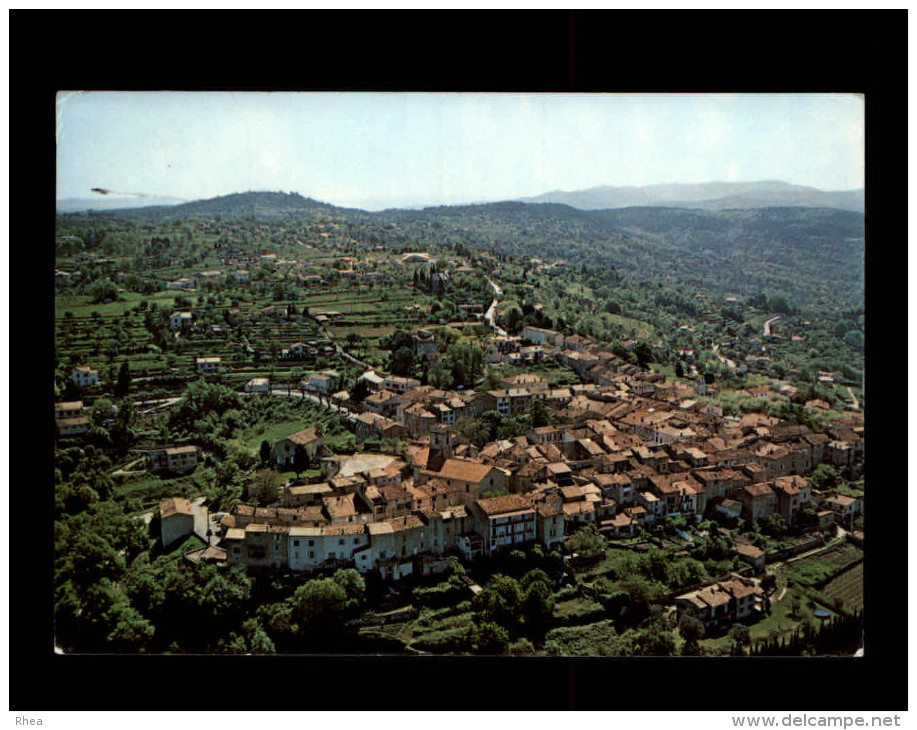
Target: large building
column 174, row 459
column 310, row 439
column 504, row 522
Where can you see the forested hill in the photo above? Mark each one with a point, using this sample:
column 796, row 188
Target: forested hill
column 260, row 204
column 812, row 255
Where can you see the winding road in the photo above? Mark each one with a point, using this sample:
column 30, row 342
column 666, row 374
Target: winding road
column 767, row 324
column 491, row 315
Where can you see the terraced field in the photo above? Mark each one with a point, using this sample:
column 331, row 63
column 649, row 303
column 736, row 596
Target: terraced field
column 847, row 588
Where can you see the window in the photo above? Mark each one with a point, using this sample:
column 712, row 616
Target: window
column 296, row 544
column 311, row 543
column 341, row 541
column 311, row 553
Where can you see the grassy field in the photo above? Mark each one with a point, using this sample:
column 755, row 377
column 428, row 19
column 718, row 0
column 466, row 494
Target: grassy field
column 821, row 567
column 637, row 327
column 575, row 608
column 272, row 433
column 148, row 490
column 436, row 629
column 80, row 305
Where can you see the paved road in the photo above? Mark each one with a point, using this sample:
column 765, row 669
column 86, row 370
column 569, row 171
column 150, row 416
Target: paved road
column 491, row 315
column 767, row 324
column 153, row 406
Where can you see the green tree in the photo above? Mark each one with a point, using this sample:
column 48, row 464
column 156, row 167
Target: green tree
column 488, row 637
column 540, row 413
column 402, row 361
column 692, row 631
column 264, row 487
column 123, row 383
column 824, row 476
column 586, row 540
column 476, row 430
column 538, row 605
column 301, row 460
column 258, row 640
column 354, row 586
column 319, row 605
column 740, row 637
column 500, row 602
column 467, row 358
column 359, row 391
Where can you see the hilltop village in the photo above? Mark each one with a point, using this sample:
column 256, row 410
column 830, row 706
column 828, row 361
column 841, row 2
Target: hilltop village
column 428, row 415
column 627, row 449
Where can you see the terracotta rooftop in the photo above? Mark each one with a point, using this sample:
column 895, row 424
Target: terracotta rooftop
column 758, row 490
column 175, row 505
column 466, row 471
column 505, row 503
column 304, row 437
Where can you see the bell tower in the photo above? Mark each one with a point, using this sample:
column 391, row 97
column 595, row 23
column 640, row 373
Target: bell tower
column 440, row 446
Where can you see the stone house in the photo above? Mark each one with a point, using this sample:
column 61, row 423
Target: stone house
column 759, row 502
column 284, row 450
column 504, row 522
column 174, row 460
column 176, row 520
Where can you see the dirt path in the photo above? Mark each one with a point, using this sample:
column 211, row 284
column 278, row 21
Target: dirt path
column 725, row 360
column 126, row 469
column 856, row 403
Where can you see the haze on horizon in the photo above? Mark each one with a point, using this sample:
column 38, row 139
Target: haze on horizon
column 380, row 150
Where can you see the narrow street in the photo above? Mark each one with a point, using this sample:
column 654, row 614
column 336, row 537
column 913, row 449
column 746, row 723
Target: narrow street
column 491, row 315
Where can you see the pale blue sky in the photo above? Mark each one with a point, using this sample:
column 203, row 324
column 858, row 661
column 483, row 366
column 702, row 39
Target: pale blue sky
column 374, row 150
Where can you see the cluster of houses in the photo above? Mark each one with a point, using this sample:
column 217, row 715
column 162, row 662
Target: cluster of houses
column 625, row 452
column 397, row 518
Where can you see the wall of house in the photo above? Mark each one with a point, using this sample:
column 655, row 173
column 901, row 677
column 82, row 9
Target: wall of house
column 175, row 527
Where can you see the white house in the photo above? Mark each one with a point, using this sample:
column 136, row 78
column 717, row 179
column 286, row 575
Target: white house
column 84, row 376
column 208, row 364
column 311, row 547
column 179, row 320
column 541, row 336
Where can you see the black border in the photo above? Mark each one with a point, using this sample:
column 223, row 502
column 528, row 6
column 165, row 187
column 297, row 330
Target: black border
column 558, row 51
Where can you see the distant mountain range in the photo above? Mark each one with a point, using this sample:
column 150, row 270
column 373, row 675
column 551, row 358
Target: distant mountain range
column 810, row 254
column 706, row 196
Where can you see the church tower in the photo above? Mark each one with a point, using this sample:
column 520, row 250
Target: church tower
column 440, row 446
